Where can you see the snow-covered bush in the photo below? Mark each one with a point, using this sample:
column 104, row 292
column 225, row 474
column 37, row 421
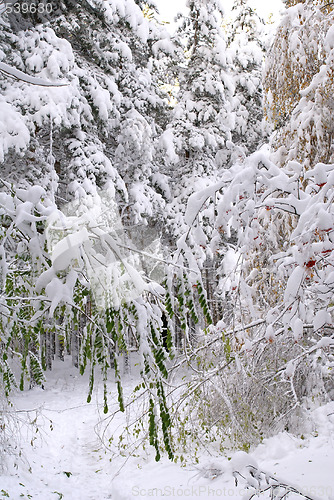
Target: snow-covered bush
column 280, row 334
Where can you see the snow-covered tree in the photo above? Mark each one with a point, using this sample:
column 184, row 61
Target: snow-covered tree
column 203, row 118
column 85, row 148
column 247, row 47
column 104, row 53
column 299, row 84
column 256, row 368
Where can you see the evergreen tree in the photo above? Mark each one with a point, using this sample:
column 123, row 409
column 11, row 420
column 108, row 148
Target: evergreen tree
column 247, row 47
column 202, row 120
column 105, row 55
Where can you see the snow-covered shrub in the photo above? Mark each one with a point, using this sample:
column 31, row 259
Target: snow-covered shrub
column 274, row 352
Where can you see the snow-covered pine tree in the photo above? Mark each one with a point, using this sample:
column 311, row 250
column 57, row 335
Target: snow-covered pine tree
column 247, row 46
column 197, row 137
column 105, row 53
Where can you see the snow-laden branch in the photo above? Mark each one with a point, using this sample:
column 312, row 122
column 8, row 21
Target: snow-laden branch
column 281, row 281
column 257, row 481
column 32, row 80
column 283, row 214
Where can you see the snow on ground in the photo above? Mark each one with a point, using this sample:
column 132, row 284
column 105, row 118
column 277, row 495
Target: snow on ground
column 66, row 460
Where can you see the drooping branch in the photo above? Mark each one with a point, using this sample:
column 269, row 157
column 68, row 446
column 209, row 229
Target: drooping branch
column 7, row 70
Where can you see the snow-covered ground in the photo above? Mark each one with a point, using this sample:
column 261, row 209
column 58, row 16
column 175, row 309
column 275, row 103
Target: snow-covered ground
column 66, row 459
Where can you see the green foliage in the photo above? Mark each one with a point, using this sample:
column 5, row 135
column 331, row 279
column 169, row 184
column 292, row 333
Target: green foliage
column 203, row 303
column 8, row 377
column 165, row 420
column 120, row 396
column 168, row 304
column 36, row 369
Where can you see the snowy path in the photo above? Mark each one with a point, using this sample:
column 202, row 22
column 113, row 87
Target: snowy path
column 67, row 460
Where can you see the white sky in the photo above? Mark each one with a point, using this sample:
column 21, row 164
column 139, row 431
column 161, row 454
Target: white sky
column 169, row 8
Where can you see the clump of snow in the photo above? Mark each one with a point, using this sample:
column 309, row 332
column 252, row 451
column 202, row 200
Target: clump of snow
column 321, row 318
column 297, row 329
column 329, row 39
column 167, row 142
column 14, row 132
